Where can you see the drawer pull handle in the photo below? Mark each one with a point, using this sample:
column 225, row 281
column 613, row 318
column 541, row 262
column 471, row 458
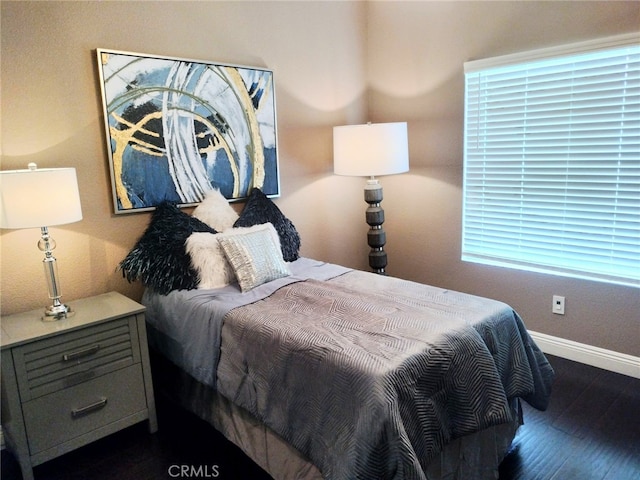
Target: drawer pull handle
column 79, row 412
column 67, row 357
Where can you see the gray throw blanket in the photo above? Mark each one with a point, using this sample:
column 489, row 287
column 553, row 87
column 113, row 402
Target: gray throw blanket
column 369, row 376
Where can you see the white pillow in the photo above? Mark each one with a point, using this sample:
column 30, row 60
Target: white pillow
column 254, row 254
column 208, row 260
column 215, row 211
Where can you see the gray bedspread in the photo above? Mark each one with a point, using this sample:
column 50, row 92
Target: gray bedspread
column 367, row 376
column 370, row 376
column 185, row 325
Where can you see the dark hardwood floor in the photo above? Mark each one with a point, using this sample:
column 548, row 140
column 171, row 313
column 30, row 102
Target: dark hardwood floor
column 591, row 431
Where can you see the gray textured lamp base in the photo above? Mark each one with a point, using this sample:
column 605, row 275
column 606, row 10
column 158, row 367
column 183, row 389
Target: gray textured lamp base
column 376, row 237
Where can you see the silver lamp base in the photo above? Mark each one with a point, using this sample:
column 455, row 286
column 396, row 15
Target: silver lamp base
column 56, row 312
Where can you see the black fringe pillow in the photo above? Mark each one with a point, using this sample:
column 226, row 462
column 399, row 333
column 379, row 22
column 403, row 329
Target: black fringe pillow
column 260, row 209
column 159, row 259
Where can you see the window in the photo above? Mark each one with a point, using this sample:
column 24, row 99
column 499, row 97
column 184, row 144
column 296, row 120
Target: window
column 552, row 161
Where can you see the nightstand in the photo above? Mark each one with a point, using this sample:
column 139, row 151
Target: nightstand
column 73, row 381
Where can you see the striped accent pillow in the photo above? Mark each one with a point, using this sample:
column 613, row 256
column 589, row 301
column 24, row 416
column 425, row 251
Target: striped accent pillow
column 255, row 256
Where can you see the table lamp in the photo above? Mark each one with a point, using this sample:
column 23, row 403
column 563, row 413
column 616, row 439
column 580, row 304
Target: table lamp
column 371, row 150
column 40, row 198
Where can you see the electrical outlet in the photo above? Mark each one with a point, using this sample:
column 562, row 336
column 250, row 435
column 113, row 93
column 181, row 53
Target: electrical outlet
column 558, row 305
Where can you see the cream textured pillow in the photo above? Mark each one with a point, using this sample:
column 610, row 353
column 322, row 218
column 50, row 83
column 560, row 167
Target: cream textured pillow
column 255, row 255
column 209, row 261
column 215, row 211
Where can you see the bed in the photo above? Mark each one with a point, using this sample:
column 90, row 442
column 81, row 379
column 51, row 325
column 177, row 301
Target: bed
column 320, row 371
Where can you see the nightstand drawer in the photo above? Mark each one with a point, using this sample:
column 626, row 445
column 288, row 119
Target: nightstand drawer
column 62, row 416
column 62, row 361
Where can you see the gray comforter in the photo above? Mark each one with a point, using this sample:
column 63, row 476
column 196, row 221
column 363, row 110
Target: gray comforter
column 369, row 376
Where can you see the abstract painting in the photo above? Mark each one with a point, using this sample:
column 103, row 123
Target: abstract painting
column 178, row 128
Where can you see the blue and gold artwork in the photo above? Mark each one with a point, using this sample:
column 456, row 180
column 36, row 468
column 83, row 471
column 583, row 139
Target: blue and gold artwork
column 179, row 128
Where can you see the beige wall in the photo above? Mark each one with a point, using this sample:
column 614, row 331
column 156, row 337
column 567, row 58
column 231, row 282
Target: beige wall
column 51, row 114
column 335, row 63
column 416, row 56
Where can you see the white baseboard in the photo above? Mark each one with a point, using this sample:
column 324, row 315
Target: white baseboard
column 594, row 356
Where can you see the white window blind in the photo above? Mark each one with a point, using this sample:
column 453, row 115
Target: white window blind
column 552, row 161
